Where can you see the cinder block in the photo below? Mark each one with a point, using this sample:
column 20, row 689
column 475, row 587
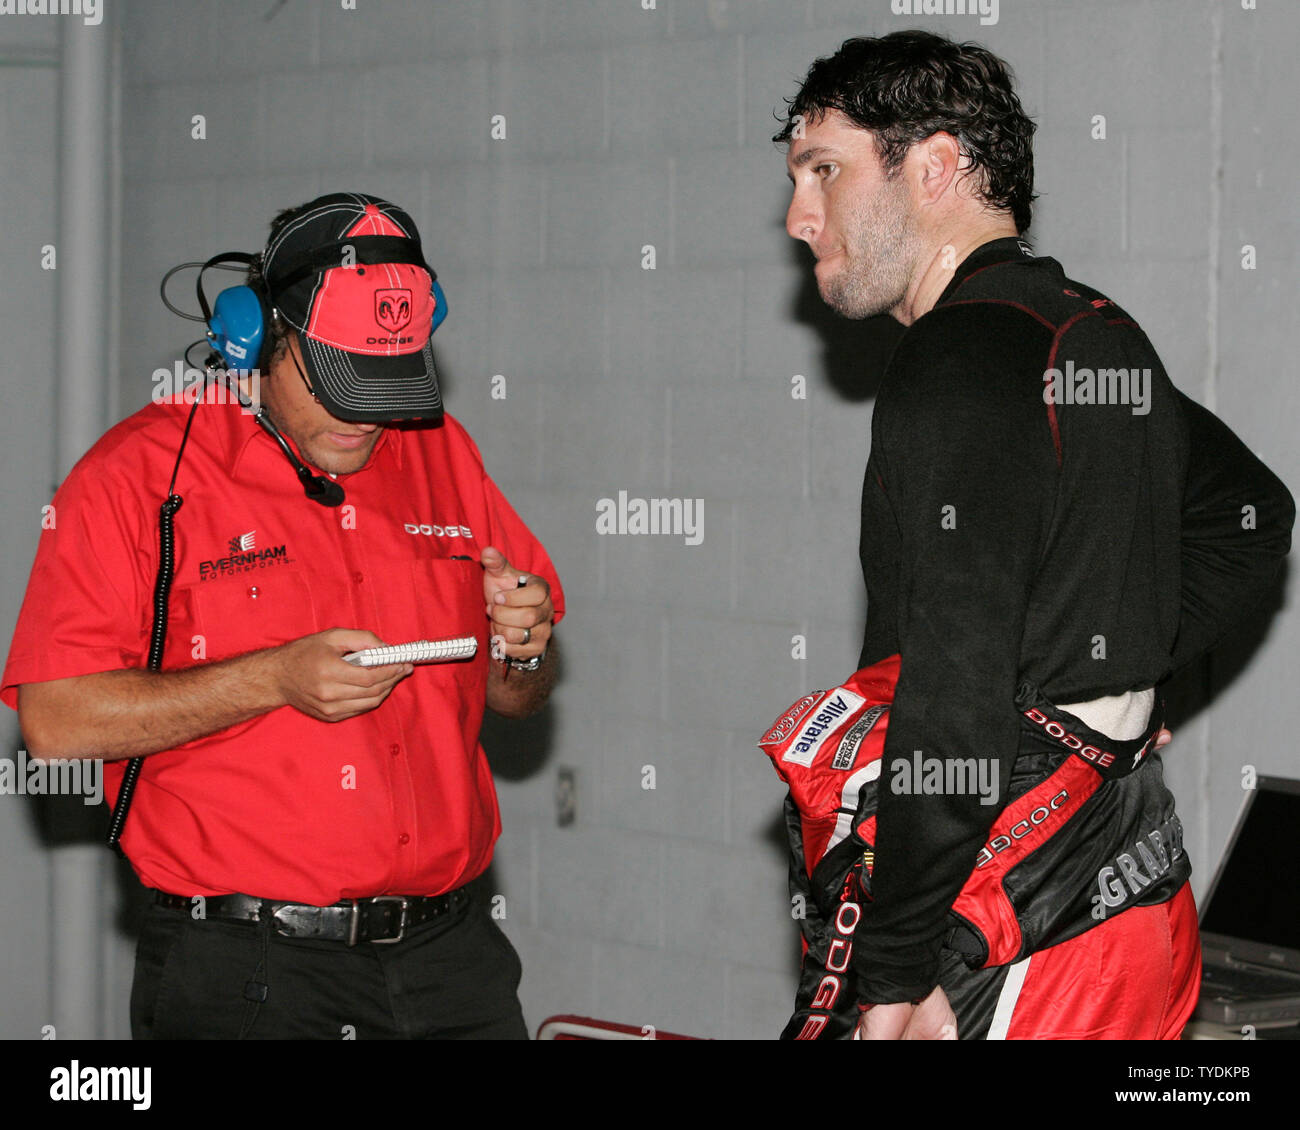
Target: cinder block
column 601, row 884
column 250, row 43
column 558, row 974
column 762, row 452
column 392, row 31
column 691, row 568
column 1156, row 70
column 486, row 218
column 547, row 324
column 157, row 139
column 619, row 657
column 598, row 23
column 153, row 38
column 756, row 794
column 553, row 103
column 840, row 443
column 673, row 324
column 731, row 902
column 835, row 642
column 674, row 97
column 510, row 887
column 663, row 781
column 678, row 990
column 419, row 113
column 780, row 554
column 759, row 1001
column 1170, row 225
column 564, row 524
column 786, row 327
column 623, row 424
column 1083, row 185
column 604, row 212
column 739, row 17
column 309, row 119
column 243, row 219
column 731, row 671
column 733, row 210
column 460, row 346
column 775, row 66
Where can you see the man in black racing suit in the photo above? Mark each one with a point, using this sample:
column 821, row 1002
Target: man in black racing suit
column 1050, row 529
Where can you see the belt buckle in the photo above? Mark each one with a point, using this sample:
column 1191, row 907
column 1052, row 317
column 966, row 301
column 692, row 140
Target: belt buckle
column 401, row 922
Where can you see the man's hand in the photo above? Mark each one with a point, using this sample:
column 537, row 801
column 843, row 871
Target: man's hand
column 311, row 676
column 932, row 1019
column 521, row 616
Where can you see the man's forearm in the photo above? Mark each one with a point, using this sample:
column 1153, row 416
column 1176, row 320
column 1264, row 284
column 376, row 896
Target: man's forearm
column 133, row 713
column 521, row 693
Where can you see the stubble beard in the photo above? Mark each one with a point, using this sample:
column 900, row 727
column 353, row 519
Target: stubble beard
column 879, row 256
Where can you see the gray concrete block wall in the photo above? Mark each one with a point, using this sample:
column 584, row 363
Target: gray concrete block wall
column 626, row 128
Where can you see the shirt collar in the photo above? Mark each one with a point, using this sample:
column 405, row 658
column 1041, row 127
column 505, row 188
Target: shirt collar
column 1002, row 250
column 239, row 430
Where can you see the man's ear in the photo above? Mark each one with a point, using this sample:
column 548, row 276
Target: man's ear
column 940, row 164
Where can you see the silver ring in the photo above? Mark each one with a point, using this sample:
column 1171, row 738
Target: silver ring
column 528, row 634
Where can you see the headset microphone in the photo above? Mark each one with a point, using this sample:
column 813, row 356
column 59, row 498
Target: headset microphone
column 319, row 488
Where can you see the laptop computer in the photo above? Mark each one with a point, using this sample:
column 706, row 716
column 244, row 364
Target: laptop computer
column 1250, row 918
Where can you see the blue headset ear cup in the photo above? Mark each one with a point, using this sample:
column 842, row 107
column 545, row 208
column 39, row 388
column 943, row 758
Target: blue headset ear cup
column 238, row 326
column 440, row 306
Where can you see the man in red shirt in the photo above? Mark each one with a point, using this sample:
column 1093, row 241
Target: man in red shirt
column 310, row 826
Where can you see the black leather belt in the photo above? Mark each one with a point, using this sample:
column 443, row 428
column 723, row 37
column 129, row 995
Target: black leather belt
column 384, row 918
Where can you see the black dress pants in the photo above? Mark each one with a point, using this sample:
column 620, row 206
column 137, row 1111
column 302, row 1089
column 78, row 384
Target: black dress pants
column 455, row 977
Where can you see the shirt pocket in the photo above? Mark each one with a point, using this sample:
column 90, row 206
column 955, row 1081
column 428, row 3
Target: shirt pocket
column 436, row 599
column 258, row 610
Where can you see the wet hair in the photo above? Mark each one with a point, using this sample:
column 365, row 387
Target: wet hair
column 906, row 86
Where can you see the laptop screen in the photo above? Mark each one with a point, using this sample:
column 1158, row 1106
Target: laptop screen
column 1255, row 893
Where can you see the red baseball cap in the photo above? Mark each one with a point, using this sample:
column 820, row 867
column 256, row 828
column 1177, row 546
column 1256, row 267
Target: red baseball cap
column 349, row 274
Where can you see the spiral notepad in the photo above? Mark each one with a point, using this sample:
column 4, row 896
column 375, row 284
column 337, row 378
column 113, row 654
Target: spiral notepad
column 420, row 651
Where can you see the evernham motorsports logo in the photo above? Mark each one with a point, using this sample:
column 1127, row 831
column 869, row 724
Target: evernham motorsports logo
column 57, row 776
column 88, row 10
column 678, row 517
column 243, row 556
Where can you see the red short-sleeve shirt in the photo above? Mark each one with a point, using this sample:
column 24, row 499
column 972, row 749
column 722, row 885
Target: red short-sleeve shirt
column 398, row 800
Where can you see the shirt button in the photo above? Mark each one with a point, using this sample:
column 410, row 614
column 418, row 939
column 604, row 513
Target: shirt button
column 358, row 577
column 403, row 839
column 394, row 749
column 254, row 592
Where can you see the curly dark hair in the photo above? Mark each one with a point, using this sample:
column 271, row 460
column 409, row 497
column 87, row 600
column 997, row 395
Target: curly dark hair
column 909, row 85
column 276, row 338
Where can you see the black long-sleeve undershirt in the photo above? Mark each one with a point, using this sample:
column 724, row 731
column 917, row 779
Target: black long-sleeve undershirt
column 1089, row 548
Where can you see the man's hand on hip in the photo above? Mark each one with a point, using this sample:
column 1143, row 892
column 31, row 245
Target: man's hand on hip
column 311, row 676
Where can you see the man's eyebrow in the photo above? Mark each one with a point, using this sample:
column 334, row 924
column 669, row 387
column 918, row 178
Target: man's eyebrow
column 808, row 154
